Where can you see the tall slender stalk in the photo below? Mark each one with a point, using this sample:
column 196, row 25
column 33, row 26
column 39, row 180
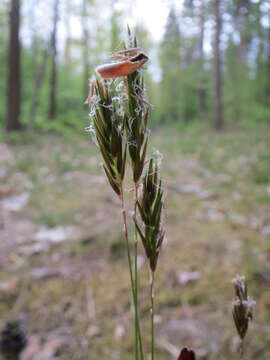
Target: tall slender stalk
column 134, row 295
column 241, row 349
column 136, row 270
column 152, row 295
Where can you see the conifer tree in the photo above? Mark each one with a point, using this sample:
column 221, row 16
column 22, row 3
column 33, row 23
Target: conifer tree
column 170, row 71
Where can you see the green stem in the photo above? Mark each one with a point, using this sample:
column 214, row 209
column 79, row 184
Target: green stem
column 136, row 273
column 152, row 315
column 136, row 297
column 137, row 322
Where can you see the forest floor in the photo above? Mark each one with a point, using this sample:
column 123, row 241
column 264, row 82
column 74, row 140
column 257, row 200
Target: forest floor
column 63, row 267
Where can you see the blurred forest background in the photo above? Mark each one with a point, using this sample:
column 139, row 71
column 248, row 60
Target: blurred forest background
column 63, row 269
column 209, row 61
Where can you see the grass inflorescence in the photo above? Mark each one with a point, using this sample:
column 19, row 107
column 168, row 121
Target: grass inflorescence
column 119, row 115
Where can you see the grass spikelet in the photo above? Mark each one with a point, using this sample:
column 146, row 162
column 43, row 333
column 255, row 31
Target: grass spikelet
column 242, row 309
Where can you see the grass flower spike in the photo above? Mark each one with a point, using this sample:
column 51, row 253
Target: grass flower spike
column 150, row 205
column 242, row 308
column 108, row 130
column 136, row 119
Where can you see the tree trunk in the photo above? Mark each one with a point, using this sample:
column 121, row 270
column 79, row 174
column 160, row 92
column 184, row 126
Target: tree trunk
column 202, row 94
column 14, row 75
column 40, row 73
column 219, row 120
column 86, row 64
column 52, row 104
column 241, row 25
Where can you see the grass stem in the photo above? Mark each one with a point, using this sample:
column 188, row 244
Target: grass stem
column 134, row 295
column 241, row 349
column 152, row 295
column 136, row 273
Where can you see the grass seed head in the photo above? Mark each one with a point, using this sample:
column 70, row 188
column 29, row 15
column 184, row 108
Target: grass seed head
column 125, row 114
column 242, row 306
column 108, row 129
column 137, row 113
column 150, row 205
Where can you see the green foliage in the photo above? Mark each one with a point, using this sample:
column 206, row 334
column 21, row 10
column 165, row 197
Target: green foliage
column 172, row 83
column 151, row 86
column 189, row 103
column 116, row 29
column 238, row 85
column 170, row 86
column 260, row 170
column 53, row 219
